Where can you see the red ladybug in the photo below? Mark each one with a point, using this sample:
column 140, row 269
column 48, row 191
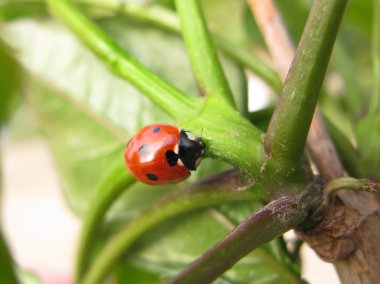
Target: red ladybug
column 161, row 154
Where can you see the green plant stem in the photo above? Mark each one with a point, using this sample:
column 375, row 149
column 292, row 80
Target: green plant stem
column 173, row 101
column 348, row 183
column 345, row 183
column 115, row 183
column 173, row 206
column 289, row 126
column 204, row 59
column 7, row 271
column 374, row 107
column 228, row 136
column 273, row 220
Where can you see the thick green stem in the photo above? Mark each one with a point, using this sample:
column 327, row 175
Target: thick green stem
column 289, row 126
column 204, row 59
column 178, row 204
column 173, row 101
column 117, row 181
column 228, row 136
column 273, row 220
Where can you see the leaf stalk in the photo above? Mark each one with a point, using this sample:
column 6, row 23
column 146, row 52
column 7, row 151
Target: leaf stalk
column 114, row 184
column 204, row 59
column 169, row 98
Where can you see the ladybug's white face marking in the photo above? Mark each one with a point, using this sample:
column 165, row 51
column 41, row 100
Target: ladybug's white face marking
column 175, row 150
column 191, row 136
column 180, row 163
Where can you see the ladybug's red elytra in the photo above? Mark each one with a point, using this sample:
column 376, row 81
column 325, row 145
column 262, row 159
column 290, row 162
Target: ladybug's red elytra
column 162, row 154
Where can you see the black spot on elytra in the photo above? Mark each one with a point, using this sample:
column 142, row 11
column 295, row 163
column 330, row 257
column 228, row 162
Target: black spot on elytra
column 156, row 129
column 151, row 176
column 171, row 157
column 143, row 150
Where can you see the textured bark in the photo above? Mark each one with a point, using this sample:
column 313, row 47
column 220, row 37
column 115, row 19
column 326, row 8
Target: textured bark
column 363, row 265
column 349, row 237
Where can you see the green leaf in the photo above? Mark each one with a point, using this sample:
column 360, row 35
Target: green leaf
column 135, row 275
column 9, row 82
column 216, row 13
column 160, row 51
column 48, row 51
column 12, row 10
column 82, row 148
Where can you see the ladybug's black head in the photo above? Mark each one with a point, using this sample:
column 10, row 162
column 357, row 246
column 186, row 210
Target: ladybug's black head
column 191, row 150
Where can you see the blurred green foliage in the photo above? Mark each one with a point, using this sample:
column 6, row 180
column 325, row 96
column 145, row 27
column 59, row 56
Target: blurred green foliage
column 10, row 79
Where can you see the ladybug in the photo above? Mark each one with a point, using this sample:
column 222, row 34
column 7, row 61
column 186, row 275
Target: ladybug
column 162, row 154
